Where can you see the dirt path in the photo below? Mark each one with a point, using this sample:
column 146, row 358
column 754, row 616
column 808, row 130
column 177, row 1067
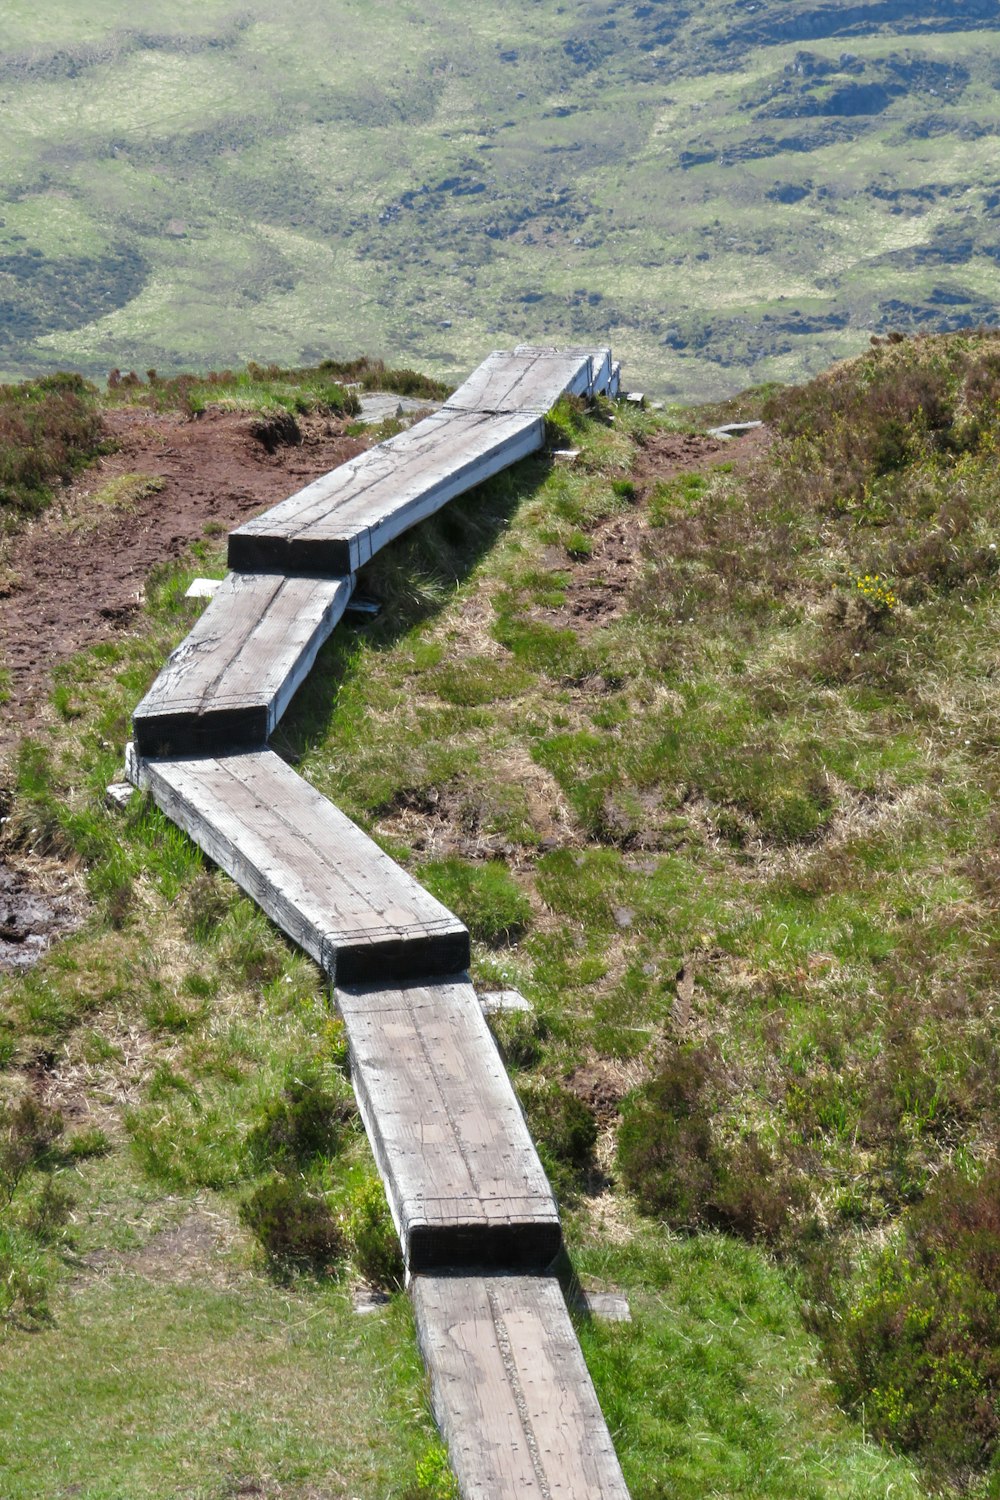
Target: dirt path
column 76, row 576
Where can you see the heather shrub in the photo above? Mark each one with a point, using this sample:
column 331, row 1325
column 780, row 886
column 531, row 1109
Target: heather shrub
column 48, row 429
column 851, row 441
column 292, row 1221
column 665, row 1149
column 306, row 1121
column 29, row 1131
column 671, row 1159
column 35, row 1206
column 918, row 1343
column 276, row 429
column 520, row 1035
column 565, row 1132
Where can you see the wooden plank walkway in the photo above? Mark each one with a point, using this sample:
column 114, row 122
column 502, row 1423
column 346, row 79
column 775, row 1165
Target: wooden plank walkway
column 510, row 1390
column 532, row 379
column 324, row 882
column 339, row 522
column 465, row 1185
column 467, row 1190
column 230, row 681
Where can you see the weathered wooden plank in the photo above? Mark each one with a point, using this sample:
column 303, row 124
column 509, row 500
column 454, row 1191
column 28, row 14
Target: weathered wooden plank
column 600, row 364
column 337, row 523
column 511, row 1392
column 228, row 683
column 314, row 873
column 529, row 379
column 464, row 1182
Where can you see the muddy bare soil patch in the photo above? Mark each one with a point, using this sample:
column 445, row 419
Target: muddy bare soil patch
column 76, row 576
column 36, row 907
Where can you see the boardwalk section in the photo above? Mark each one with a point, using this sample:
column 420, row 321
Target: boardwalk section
column 339, row 522
column 231, row 679
column 463, row 1178
column 532, row 379
column 510, row 1390
column 466, row 1188
column 316, row 875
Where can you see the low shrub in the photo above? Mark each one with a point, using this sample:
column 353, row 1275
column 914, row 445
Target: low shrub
column 520, row 1036
column 671, row 1159
column 306, row 1121
column 562, row 1123
column 35, row 1206
column 48, row 429
column 293, row 1223
column 372, row 1235
column 276, row 429
column 917, row 1345
column 565, row 1131
column 29, row 1131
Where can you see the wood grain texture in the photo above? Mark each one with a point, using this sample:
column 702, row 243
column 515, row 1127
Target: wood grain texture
column 511, row 1392
column 337, row 523
column 324, row 882
column 228, row 683
column 464, row 1182
column 530, row 379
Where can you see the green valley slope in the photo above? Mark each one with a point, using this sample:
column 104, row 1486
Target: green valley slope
column 730, row 193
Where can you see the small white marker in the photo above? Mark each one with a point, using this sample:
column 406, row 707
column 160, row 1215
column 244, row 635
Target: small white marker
column 202, row 588
column 501, row 1000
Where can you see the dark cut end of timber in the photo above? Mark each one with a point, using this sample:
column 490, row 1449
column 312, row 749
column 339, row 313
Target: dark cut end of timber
column 256, row 552
column 165, row 735
column 396, row 959
column 478, row 1247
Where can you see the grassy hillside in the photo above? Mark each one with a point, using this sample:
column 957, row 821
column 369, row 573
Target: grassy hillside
column 705, row 760
column 731, row 193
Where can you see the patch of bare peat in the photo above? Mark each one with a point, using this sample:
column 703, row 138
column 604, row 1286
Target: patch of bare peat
column 33, row 913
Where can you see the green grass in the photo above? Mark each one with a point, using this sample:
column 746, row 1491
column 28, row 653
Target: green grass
column 688, row 1387
column 158, row 1387
column 197, row 191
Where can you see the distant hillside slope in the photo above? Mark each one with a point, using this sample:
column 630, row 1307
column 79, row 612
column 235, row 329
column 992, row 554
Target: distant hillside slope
column 729, row 192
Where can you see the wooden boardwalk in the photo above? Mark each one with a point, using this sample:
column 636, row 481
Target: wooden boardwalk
column 464, row 1182
column 316, row 875
column 510, row 1391
column 466, row 1188
column 231, row 680
column 533, row 380
column 338, row 523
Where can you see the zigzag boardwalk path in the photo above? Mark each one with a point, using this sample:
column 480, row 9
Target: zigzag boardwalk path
column 476, row 1217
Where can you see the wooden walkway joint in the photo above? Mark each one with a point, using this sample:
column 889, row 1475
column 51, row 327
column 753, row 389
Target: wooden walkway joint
column 465, row 1185
column 316, row 875
column 231, row 680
